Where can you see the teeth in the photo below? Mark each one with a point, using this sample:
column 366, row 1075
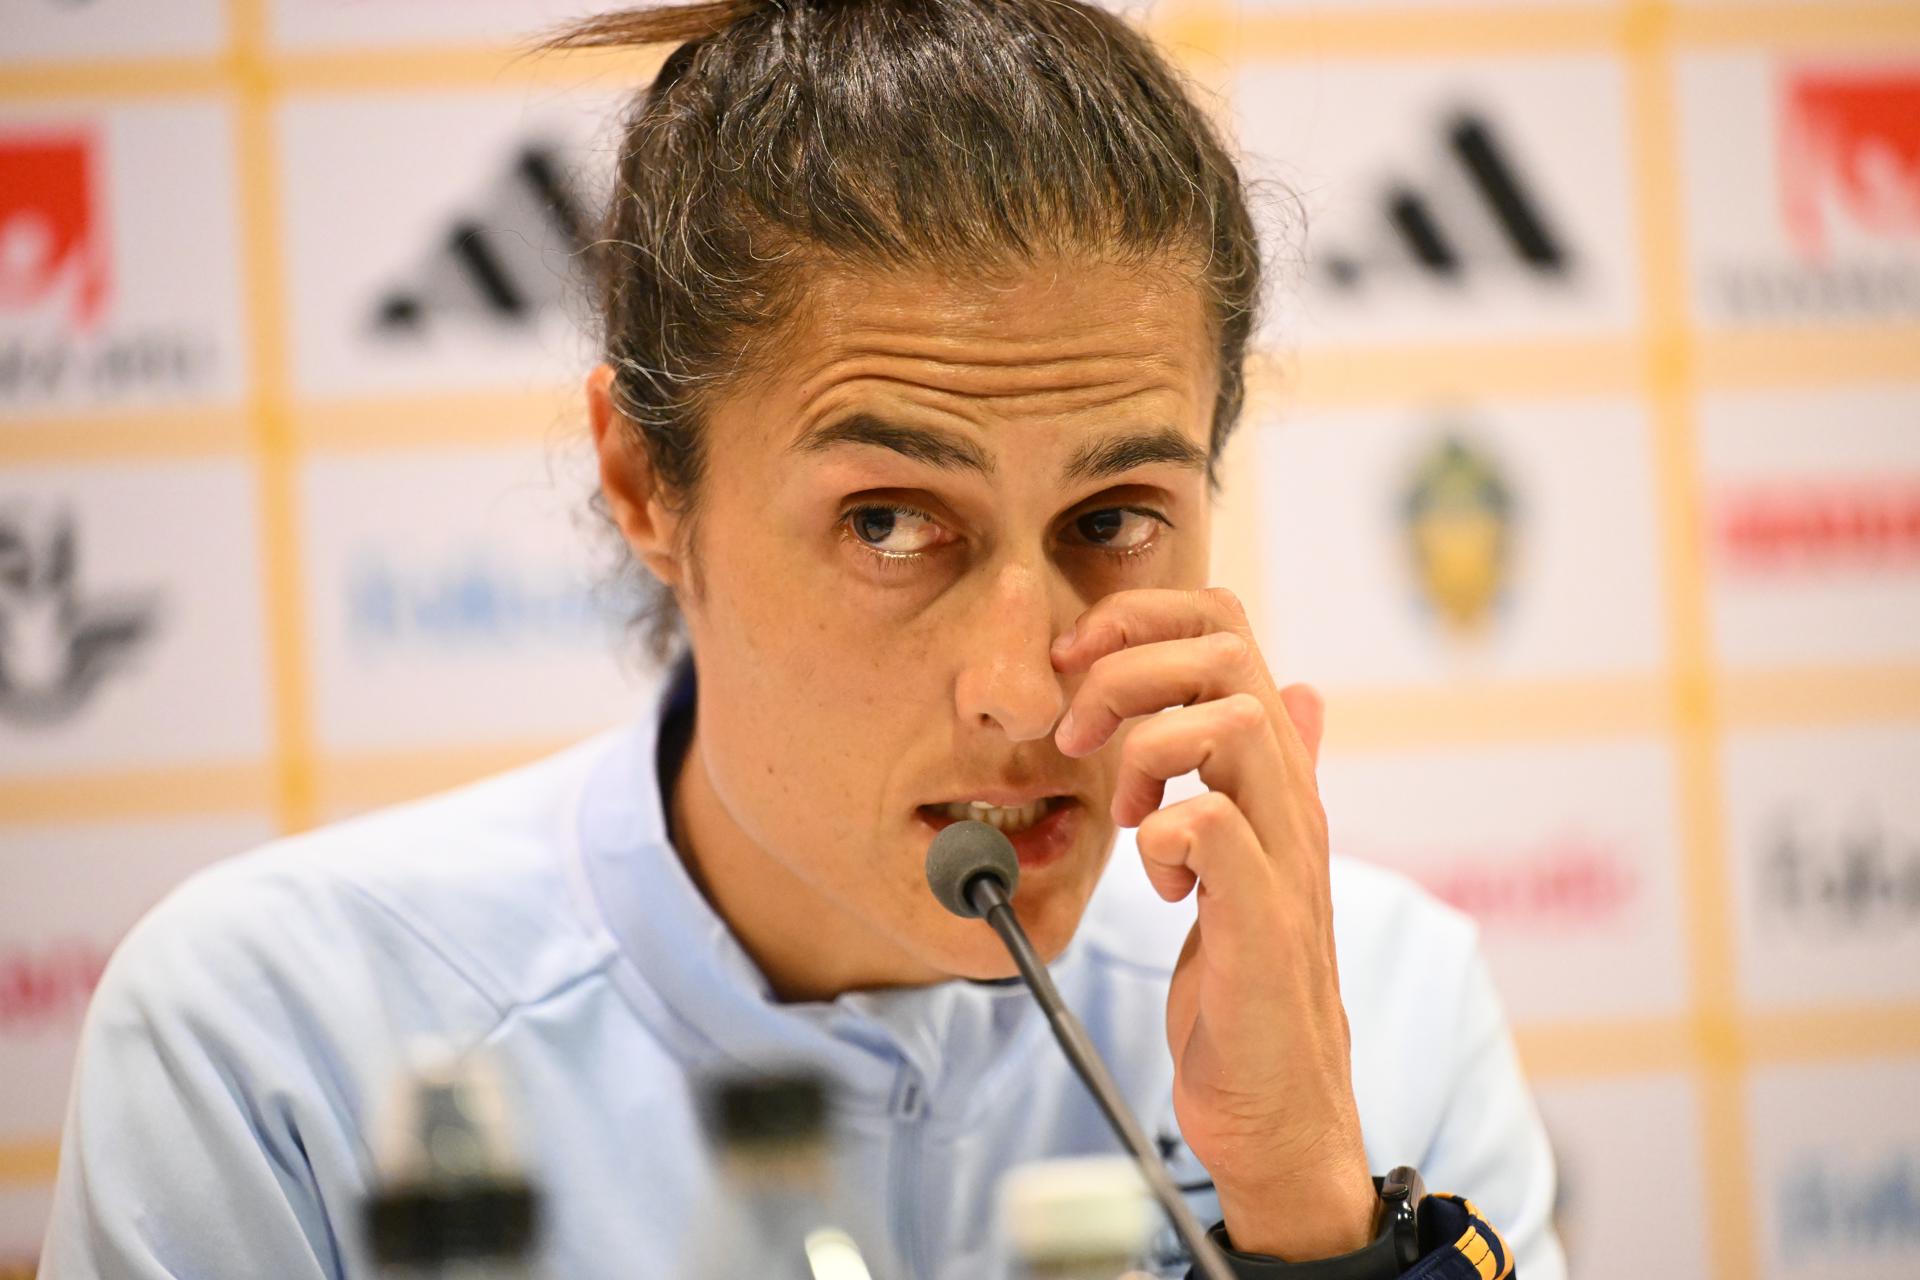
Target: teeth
column 1018, row 818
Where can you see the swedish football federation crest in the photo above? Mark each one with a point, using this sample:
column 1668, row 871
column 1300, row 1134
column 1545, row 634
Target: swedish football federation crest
column 1458, row 513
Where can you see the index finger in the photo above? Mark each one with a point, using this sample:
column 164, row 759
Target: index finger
column 1147, row 615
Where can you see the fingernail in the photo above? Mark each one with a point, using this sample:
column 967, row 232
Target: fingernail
column 1064, row 642
column 1064, row 731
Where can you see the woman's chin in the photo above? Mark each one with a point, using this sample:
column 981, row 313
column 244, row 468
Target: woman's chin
column 971, row 949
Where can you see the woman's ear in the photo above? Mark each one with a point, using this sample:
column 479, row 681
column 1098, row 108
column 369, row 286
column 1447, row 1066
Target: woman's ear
column 629, row 484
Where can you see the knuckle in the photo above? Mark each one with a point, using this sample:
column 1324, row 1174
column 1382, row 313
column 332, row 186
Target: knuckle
column 1226, row 602
column 1161, row 836
column 1213, row 813
column 1230, row 647
column 1242, row 712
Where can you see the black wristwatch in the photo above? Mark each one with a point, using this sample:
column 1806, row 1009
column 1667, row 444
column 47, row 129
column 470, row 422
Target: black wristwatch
column 1395, row 1247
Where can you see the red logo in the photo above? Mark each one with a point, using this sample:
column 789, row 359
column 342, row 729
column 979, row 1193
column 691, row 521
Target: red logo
column 47, row 985
column 1565, row 880
column 1850, row 149
column 52, row 228
column 1865, row 523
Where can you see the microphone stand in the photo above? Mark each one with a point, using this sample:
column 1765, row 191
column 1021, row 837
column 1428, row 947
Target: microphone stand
column 988, row 897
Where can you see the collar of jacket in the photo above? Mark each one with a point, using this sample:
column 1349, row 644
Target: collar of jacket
column 956, row 1044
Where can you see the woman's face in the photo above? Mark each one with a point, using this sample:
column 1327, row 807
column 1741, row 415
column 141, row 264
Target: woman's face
column 929, row 484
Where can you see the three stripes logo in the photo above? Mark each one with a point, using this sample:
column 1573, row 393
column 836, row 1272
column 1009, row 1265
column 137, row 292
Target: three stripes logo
column 504, row 262
column 1474, row 212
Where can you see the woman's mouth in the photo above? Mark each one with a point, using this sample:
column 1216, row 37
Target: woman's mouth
column 1010, row 819
column 1040, row 830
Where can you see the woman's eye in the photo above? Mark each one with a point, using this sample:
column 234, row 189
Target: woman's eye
column 1116, row 528
column 894, row 531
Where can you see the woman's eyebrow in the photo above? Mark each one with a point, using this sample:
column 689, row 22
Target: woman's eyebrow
column 1093, row 460
column 936, row 448
column 1099, row 459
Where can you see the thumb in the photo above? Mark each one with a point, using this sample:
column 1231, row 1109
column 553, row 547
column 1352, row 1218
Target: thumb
column 1309, row 715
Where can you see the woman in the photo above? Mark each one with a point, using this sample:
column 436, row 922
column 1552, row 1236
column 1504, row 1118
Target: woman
column 924, row 328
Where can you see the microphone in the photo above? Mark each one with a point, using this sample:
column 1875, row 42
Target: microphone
column 973, row 870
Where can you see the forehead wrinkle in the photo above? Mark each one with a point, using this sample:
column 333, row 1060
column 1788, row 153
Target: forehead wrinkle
column 1087, row 385
column 989, row 415
column 1144, row 345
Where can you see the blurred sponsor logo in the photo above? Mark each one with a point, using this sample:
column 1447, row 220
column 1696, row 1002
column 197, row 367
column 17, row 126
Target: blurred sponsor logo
column 475, row 601
column 56, row 645
column 1809, row 526
column 1850, row 1213
column 1849, row 148
column 1851, row 157
column 1564, row 880
column 1474, row 211
column 49, row 985
column 52, row 232
column 54, row 274
column 1457, row 511
column 1858, row 879
column 501, row 263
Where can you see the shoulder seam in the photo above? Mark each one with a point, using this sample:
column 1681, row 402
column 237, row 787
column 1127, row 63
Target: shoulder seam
column 508, row 1013
column 504, row 1010
column 496, row 1003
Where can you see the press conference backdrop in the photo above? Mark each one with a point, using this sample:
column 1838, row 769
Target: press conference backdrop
column 1582, row 471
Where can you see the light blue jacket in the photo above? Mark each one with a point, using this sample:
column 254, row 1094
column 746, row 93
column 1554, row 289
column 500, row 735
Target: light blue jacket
column 247, row 1030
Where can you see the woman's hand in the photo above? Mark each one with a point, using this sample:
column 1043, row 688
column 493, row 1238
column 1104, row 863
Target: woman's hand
column 1263, row 1084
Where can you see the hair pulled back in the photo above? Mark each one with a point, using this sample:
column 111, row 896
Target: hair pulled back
column 784, row 137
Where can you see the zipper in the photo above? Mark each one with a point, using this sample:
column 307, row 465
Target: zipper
column 908, row 1109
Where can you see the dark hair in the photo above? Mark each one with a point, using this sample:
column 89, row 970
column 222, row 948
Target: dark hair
column 787, row 136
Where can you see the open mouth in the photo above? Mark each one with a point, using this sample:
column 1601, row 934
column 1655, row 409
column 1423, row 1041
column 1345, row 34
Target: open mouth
column 1042, row 831
column 1012, row 819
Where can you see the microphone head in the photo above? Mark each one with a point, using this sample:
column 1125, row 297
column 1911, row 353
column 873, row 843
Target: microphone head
column 963, row 851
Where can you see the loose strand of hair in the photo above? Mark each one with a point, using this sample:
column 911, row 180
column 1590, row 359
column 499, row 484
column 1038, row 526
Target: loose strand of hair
column 649, row 25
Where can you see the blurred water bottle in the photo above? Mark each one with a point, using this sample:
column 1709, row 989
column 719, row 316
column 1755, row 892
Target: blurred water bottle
column 776, row 1217
column 453, row 1202
column 1079, row 1218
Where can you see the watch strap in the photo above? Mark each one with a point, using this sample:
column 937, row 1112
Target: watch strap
column 1377, row 1261
column 1454, row 1242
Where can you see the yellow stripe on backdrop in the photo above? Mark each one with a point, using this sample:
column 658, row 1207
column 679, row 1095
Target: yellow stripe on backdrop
column 1706, row 894
column 28, row 1164
column 182, row 433
column 276, row 457
column 1339, row 377
column 1823, row 1035
column 351, row 784
column 556, row 417
column 181, row 791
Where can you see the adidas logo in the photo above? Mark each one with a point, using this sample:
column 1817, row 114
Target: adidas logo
column 506, row 262
column 1474, row 211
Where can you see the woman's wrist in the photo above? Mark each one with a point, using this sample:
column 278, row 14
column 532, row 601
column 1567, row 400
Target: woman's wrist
column 1302, row 1222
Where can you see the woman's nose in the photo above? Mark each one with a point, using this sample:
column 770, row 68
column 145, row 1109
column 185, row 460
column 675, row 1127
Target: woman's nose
column 1008, row 681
